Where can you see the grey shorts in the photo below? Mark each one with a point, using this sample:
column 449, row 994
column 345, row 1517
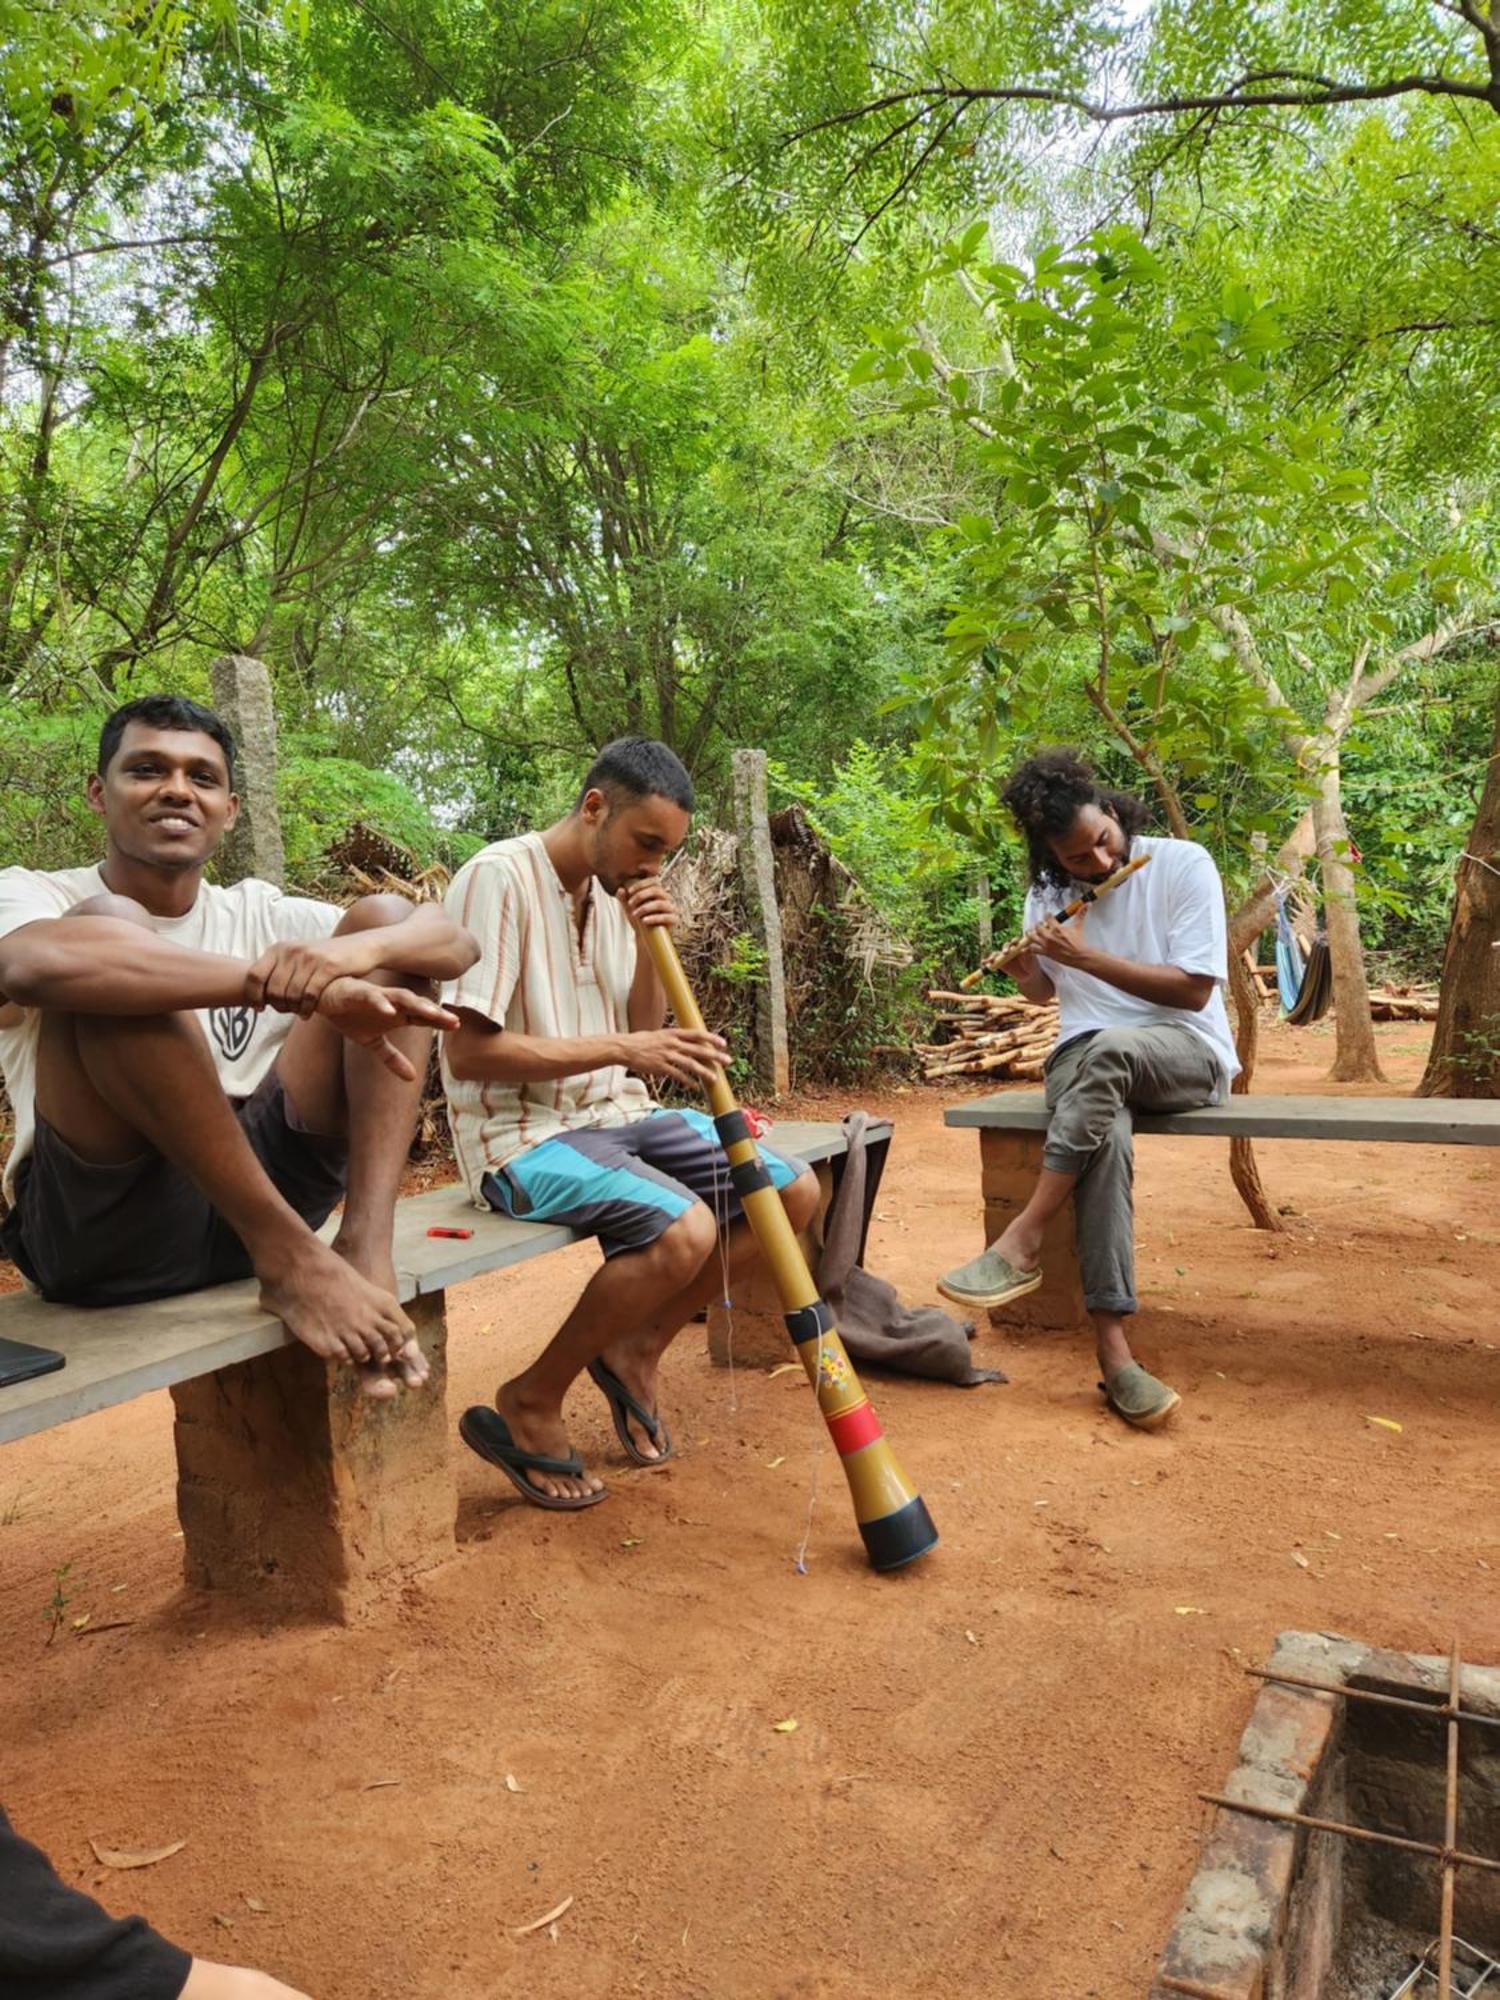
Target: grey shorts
column 89, row 1235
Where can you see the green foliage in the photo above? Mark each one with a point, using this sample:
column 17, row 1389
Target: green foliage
column 487, row 370
column 319, row 797
column 921, row 877
column 1165, row 540
column 45, row 821
column 746, row 963
column 68, row 67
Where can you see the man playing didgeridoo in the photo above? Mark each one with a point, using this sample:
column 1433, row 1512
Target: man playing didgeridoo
column 560, row 1019
column 1139, row 984
column 199, row 1074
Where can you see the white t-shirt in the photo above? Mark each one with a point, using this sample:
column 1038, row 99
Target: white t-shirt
column 238, row 922
column 535, row 976
column 1171, row 913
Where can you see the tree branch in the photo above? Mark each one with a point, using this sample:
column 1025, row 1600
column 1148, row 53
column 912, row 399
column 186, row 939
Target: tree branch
column 1313, row 93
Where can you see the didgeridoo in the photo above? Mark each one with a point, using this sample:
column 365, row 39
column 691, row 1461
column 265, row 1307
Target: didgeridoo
column 998, row 960
column 892, row 1515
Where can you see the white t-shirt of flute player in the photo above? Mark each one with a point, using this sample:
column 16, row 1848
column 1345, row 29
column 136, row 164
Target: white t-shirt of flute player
column 1169, row 913
column 242, row 922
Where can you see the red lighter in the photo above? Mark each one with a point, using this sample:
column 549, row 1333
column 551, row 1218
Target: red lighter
column 440, row 1231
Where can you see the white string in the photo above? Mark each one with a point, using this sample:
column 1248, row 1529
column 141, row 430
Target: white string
column 1481, row 860
column 721, row 1223
column 820, row 1433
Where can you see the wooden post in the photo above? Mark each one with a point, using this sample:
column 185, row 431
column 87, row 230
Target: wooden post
column 242, row 696
column 294, row 1485
column 758, row 880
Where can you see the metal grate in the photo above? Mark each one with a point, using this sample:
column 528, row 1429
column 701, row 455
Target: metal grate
column 1468, row 1963
column 1449, row 1854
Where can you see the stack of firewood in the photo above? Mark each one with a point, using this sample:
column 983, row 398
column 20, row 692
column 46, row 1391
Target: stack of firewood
column 989, row 1034
column 1403, row 1003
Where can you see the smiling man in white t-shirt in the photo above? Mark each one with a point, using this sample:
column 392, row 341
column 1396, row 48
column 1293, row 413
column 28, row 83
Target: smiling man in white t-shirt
column 199, row 1074
column 1139, row 981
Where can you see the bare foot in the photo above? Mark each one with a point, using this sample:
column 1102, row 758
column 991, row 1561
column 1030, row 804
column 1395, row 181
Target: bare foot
column 384, row 1379
column 1021, row 1248
column 208, row 1981
column 538, row 1427
column 337, row 1312
column 637, row 1368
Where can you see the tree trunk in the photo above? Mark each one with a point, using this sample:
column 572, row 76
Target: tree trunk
column 1464, row 1060
column 1259, row 907
column 1355, row 1059
column 1243, row 1170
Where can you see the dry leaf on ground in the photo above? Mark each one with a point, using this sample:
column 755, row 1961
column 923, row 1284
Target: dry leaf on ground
column 134, row 1857
column 541, row 1923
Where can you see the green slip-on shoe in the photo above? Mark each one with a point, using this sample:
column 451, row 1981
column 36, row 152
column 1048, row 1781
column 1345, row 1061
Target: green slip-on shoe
column 988, row 1280
column 1135, row 1394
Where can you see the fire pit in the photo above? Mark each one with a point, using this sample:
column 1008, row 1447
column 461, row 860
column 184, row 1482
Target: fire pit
column 1353, row 1855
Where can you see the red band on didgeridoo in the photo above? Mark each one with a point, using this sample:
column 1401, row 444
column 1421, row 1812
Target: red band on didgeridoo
column 855, row 1429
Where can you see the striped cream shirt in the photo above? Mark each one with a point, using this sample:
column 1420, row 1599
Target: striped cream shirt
column 534, row 976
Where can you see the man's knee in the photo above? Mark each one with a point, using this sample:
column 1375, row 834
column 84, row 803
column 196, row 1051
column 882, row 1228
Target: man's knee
column 1110, row 1045
column 801, row 1198
column 686, row 1244
column 382, row 912
column 374, row 913
column 125, row 909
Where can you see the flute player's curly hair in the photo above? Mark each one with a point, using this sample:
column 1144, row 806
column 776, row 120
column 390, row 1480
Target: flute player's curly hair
column 1046, row 794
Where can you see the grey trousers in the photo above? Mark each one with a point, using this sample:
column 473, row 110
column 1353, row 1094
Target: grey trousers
column 1094, row 1082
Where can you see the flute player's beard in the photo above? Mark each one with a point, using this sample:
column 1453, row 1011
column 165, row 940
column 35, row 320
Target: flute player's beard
column 1093, row 881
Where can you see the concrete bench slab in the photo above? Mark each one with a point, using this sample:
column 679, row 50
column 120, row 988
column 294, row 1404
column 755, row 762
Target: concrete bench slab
column 1419, row 1121
column 1012, row 1125
column 288, row 1475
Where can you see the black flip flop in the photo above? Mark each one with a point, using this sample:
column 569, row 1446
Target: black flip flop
column 622, row 1403
column 486, row 1431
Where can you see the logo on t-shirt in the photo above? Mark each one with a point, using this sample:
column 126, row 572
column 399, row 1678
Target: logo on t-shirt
column 232, row 1028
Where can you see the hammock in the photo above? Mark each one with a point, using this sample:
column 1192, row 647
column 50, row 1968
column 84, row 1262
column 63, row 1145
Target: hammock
column 1306, row 989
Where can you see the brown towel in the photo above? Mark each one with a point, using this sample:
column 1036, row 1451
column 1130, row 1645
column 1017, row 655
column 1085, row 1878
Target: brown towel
column 874, row 1324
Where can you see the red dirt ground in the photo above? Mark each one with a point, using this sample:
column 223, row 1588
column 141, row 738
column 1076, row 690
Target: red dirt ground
column 992, row 1786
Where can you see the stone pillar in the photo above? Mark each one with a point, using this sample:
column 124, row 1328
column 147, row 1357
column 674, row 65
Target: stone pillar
column 242, row 696
column 758, row 880
column 1009, row 1163
column 294, row 1485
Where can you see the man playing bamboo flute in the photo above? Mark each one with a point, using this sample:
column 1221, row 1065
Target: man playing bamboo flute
column 1139, row 981
column 560, row 1019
